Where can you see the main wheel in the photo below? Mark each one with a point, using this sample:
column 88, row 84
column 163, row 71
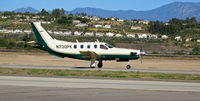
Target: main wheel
column 128, row 67
column 100, row 65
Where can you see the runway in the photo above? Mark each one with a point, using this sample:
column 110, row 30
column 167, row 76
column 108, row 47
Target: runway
column 74, row 89
column 98, row 83
column 103, row 69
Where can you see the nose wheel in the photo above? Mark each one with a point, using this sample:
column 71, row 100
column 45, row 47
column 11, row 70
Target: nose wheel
column 128, row 66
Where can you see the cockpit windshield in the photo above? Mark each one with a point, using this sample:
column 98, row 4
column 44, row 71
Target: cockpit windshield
column 109, row 46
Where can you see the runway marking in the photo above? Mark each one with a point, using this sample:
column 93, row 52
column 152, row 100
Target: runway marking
column 98, row 83
column 103, row 69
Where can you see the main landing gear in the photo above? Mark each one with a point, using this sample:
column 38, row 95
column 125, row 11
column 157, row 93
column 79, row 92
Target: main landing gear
column 100, row 64
column 92, row 64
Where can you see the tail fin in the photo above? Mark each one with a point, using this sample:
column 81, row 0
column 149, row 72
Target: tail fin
column 42, row 35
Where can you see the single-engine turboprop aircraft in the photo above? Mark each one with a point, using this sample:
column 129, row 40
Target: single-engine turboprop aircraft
column 91, row 51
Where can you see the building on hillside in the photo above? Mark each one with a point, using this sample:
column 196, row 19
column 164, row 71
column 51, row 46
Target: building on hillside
column 98, row 26
column 100, row 34
column 136, row 28
column 118, row 35
column 27, row 31
column 164, row 37
column 17, row 31
column 143, row 22
column 112, row 18
column 95, row 18
column 120, row 20
column 142, row 36
column 188, row 39
column 198, row 40
column 76, row 21
column 109, row 34
column 153, row 36
column 107, row 26
column 89, row 34
column 178, row 38
column 45, row 22
column 58, row 32
column 130, row 35
column 82, row 25
column 76, row 33
column 67, row 33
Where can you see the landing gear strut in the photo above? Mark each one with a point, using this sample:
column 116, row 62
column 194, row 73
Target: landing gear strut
column 100, row 64
column 92, row 64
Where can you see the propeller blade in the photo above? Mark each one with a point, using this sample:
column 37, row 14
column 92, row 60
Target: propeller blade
column 141, row 58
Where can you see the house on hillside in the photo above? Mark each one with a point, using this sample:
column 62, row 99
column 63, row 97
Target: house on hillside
column 27, row 31
column 109, row 34
column 76, row 33
column 118, row 35
column 178, row 38
column 142, row 36
column 17, row 31
column 89, row 34
column 58, row 32
column 76, row 21
column 164, row 37
column 99, row 34
column 130, row 35
column 136, row 28
column 98, row 26
column 81, row 25
column 198, row 40
column 143, row 22
column 107, row 26
column 188, row 39
column 120, row 20
column 153, row 36
column 67, row 33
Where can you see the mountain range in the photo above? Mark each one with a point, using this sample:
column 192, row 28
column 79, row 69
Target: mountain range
column 181, row 10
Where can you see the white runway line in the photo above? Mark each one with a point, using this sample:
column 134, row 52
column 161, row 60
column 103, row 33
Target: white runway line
column 98, row 83
column 103, row 69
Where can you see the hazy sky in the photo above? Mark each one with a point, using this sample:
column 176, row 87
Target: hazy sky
column 71, row 4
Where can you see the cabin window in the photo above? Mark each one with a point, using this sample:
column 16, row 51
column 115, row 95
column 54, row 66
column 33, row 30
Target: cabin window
column 95, row 46
column 88, row 46
column 103, row 47
column 75, row 46
column 82, row 46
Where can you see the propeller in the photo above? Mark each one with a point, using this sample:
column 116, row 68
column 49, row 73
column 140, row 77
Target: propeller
column 141, row 50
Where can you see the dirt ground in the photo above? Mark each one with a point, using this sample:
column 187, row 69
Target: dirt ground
column 149, row 62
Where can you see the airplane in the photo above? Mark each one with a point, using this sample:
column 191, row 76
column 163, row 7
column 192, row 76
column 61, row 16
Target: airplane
column 92, row 51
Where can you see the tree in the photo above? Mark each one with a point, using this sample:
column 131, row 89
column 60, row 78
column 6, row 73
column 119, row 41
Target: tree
column 58, row 12
column 44, row 12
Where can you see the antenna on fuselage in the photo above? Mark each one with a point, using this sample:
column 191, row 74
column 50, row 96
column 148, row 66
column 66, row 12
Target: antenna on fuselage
column 77, row 41
column 97, row 40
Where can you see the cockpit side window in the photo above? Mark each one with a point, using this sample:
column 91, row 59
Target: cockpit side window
column 109, row 46
column 103, row 47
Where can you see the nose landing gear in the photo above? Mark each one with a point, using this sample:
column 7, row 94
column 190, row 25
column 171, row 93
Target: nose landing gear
column 128, row 66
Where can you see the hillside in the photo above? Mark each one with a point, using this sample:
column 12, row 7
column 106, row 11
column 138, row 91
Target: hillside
column 180, row 10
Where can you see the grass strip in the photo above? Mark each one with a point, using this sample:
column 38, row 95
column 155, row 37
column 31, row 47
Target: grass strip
column 97, row 73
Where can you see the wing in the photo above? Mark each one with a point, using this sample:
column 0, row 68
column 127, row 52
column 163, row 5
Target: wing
column 88, row 55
